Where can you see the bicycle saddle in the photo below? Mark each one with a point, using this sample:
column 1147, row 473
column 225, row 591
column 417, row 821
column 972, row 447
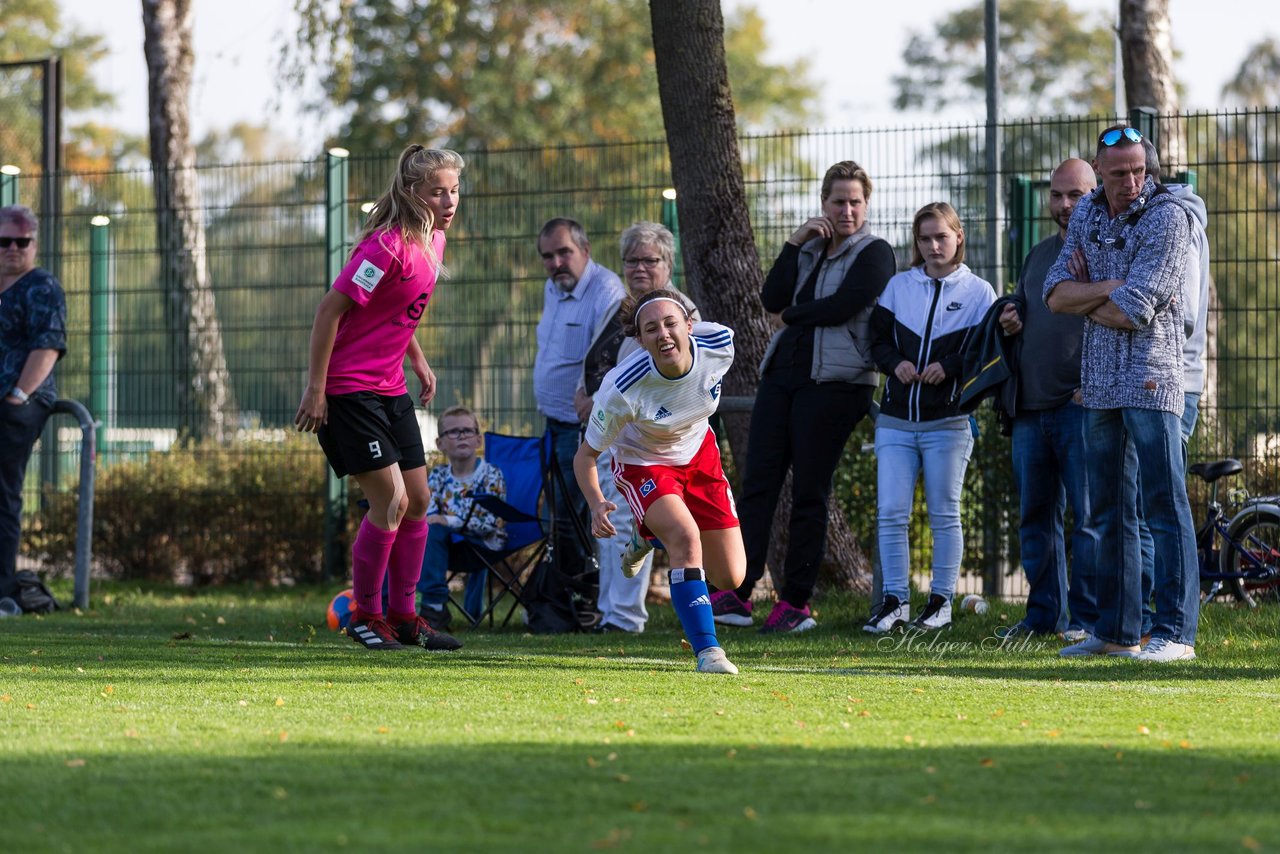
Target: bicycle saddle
column 1214, row 470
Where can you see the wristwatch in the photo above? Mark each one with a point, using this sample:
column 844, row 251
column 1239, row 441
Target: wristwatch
column 20, row 394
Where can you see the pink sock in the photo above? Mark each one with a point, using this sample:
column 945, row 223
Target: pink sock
column 405, row 566
column 369, row 555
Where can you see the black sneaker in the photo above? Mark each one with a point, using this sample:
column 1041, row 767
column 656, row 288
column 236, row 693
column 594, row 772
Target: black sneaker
column 937, row 614
column 437, row 617
column 373, row 634
column 420, row 633
column 891, row 615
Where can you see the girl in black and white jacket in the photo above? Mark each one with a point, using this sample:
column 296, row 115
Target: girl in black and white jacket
column 919, row 330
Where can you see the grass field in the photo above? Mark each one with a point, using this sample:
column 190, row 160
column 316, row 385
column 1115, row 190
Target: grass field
column 162, row 720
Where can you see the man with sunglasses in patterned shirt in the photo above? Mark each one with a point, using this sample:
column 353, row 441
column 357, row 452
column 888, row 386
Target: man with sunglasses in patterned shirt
column 33, row 336
column 1122, row 266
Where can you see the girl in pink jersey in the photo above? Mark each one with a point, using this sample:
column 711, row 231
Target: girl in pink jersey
column 652, row 410
column 357, row 401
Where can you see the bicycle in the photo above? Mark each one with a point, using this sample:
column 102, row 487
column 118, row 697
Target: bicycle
column 1240, row 554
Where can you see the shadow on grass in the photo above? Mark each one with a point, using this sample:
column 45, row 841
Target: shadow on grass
column 527, row 796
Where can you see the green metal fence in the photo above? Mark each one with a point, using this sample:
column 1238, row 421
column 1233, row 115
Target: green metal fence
column 269, row 263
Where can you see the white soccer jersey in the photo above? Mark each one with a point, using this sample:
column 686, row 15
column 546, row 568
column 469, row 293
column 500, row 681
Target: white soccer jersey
column 652, row 420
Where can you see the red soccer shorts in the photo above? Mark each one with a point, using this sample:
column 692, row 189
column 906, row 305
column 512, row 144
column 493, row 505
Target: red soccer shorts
column 700, row 484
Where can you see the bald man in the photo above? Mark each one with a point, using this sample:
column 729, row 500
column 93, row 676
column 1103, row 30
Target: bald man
column 1048, row 435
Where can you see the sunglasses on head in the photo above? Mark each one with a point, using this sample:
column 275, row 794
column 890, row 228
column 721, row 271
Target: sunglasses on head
column 21, row 242
column 1111, row 137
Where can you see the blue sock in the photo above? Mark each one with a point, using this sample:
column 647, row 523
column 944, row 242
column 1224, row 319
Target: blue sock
column 692, row 601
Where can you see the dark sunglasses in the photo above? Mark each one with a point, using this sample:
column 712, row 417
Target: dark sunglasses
column 1114, row 135
column 22, row 242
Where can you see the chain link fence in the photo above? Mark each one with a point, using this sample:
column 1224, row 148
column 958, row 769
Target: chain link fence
column 266, row 251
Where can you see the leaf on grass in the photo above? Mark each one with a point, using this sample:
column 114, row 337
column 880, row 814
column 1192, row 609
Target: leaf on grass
column 244, row 702
column 108, row 691
column 1143, row 730
column 731, row 753
column 592, row 701
column 639, row 806
column 592, row 763
column 917, row 690
column 31, row 705
column 612, row 757
column 222, row 621
column 749, row 814
column 1054, row 733
column 1250, row 843
column 382, row 730
column 181, row 636
column 279, row 793
column 864, row 714
column 622, row 778
column 685, row 645
column 131, row 733
column 5, row 698
column 908, row 739
column 284, row 736
column 1142, row 805
column 720, row 713
column 75, row 763
column 619, row 724
column 190, row 621
column 929, row 769
column 998, row 713
column 279, row 701
column 987, row 763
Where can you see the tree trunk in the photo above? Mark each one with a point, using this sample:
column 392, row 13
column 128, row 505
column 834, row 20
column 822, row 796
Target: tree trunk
column 203, row 391
column 1147, row 49
column 717, row 244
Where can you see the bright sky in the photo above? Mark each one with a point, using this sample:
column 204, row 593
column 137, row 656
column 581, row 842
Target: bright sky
column 855, row 48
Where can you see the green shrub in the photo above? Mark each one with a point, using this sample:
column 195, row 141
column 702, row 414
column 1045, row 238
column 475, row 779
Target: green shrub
column 207, row 514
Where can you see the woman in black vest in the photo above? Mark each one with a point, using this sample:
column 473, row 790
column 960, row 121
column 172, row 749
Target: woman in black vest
column 816, row 383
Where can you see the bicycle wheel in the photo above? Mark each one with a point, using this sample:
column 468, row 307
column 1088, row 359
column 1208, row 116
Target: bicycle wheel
column 1256, row 530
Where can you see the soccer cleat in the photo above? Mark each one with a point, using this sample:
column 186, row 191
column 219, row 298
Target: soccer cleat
column 937, row 614
column 437, row 616
column 373, row 634
column 891, row 615
column 633, row 557
column 713, row 660
column 1165, row 650
column 786, row 617
column 729, row 610
column 420, row 633
column 1097, row 646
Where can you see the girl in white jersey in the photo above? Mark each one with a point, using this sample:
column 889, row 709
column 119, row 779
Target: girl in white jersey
column 357, row 401
column 652, row 411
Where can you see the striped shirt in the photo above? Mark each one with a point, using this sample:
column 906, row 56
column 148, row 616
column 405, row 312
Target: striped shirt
column 650, row 419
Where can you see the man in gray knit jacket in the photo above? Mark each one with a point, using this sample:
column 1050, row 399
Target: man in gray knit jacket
column 1122, row 267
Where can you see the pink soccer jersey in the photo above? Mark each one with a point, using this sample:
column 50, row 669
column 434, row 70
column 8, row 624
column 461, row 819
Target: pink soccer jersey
column 391, row 282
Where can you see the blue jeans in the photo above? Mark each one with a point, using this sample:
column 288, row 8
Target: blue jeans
column 1155, row 461
column 1190, row 413
column 435, row 569
column 901, row 455
column 1050, row 466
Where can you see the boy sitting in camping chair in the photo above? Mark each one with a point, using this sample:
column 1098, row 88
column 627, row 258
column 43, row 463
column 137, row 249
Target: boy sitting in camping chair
column 453, row 511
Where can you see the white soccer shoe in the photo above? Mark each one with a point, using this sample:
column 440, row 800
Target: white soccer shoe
column 713, row 660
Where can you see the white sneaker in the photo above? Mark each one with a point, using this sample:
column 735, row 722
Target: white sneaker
column 937, row 614
column 1096, row 646
column 713, row 660
column 633, row 557
column 891, row 615
column 1074, row 635
column 1163, row 649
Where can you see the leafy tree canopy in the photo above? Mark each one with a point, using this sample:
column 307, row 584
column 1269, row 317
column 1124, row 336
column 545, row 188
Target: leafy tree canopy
column 34, row 30
column 1052, row 61
column 1257, row 81
column 514, row 73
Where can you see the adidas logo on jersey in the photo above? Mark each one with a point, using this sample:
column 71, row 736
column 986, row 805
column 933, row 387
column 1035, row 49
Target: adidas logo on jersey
column 662, row 413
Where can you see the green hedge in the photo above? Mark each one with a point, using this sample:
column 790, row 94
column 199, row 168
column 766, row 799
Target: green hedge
column 252, row 511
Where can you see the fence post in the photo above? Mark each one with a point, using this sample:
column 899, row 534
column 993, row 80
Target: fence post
column 336, row 179
column 672, row 222
column 9, row 185
column 1023, row 230
column 102, row 367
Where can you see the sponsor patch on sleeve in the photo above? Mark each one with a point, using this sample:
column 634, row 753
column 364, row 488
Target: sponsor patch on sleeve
column 367, row 276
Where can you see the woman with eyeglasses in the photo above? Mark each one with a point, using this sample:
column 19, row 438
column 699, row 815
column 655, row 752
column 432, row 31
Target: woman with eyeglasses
column 357, row 401
column 626, row 559
column 920, row 326
column 651, row 413
column 33, row 337
column 816, row 382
